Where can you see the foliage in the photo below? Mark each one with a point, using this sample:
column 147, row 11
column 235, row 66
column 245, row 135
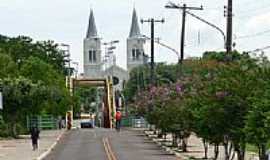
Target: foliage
column 32, row 79
column 139, row 78
column 7, row 67
column 84, row 97
column 20, row 98
column 21, row 48
column 223, row 98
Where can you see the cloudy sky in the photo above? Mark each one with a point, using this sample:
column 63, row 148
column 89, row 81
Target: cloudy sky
column 65, row 21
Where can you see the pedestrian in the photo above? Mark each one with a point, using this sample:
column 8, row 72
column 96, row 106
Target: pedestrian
column 63, row 122
column 60, row 123
column 34, row 136
column 118, row 118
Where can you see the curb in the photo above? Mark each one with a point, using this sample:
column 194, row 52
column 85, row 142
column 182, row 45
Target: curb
column 167, row 149
column 46, row 153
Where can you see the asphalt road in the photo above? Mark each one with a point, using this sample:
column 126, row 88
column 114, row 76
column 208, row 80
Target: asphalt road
column 105, row 144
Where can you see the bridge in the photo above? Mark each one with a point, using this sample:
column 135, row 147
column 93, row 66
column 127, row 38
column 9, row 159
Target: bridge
column 108, row 100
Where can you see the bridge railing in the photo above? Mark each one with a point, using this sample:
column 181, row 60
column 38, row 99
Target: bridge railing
column 134, row 122
column 44, row 122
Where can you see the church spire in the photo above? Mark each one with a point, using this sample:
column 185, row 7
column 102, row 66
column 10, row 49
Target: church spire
column 92, row 29
column 135, row 29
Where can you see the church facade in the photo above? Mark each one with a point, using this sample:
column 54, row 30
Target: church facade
column 93, row 59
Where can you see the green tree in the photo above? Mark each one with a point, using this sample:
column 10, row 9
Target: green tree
column 258, row 125
column 7, row 67
column 20, row 97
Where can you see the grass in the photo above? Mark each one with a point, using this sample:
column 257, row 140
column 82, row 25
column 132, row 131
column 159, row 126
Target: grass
column 251, row 148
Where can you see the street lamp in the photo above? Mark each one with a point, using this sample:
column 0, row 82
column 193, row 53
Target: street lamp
column 67, row 50
column 77, row 68
column 109, row 50
column 164, row 45
column 171, row 5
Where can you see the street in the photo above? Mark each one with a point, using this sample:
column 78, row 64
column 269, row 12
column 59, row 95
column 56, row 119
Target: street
column 106, row 144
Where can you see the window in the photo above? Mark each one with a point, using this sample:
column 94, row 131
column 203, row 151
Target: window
column 92, row 56
column 136, row 54
column 133, row 54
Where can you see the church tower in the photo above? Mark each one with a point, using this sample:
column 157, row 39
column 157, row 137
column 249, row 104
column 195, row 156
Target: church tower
column 135, row 45
column 92, row 51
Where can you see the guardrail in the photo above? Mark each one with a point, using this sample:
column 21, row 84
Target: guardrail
column 134, row 122
column 44, row 122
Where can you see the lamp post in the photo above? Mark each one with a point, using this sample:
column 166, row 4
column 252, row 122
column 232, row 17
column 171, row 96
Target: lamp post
column 77, row 69
column 109, row 50
column 67, row 50
column 69, row 114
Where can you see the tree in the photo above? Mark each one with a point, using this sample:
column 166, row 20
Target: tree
column 258, row 125
column 85, row 96
column 7, row 67
column 32, row 78
column 37, row 70
column 21, row 48
column 21, row 97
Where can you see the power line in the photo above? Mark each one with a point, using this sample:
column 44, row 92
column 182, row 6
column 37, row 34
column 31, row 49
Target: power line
column 184, row 9
column 254, row 35
column 210, row 24
column 259, row 49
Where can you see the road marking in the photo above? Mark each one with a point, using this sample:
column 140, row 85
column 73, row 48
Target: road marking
column 108, row 149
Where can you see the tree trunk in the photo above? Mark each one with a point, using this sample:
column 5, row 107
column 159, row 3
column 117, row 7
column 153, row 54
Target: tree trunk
column 160, row 134
column 165, row 136
column 14, row 130
column 240, row 152
column 205, row 145
column 233, row 155
column 151, row 127
column 174, row 140
column 184, row 144
column 262, row 152
column 216, row 150
column 226, row 148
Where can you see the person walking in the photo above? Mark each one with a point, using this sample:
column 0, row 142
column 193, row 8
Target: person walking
column 118, row 118
column 34, row 136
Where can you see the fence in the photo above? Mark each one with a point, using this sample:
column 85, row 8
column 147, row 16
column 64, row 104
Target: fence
column 134, row 122
column 44, row 122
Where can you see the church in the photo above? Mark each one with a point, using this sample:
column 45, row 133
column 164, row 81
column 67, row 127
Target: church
column 94, row 59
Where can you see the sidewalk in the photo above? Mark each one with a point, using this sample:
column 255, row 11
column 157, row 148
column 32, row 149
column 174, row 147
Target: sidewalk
column 195, row 148
column 21, row 149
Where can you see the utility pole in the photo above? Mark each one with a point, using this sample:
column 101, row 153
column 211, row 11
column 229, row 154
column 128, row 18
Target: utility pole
column 153, row 21
column 229, row 26
column 183, row 33
column 184, row 9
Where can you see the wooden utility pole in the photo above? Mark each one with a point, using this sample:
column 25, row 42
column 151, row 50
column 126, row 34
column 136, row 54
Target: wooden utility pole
column 152, row 21
column 184, row 8
column 229, row 26
column 183, row 34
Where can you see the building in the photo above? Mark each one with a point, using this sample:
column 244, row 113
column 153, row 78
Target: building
column 93, row 61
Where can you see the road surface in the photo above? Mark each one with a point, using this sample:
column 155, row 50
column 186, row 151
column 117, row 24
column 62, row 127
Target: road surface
column 106, row 144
